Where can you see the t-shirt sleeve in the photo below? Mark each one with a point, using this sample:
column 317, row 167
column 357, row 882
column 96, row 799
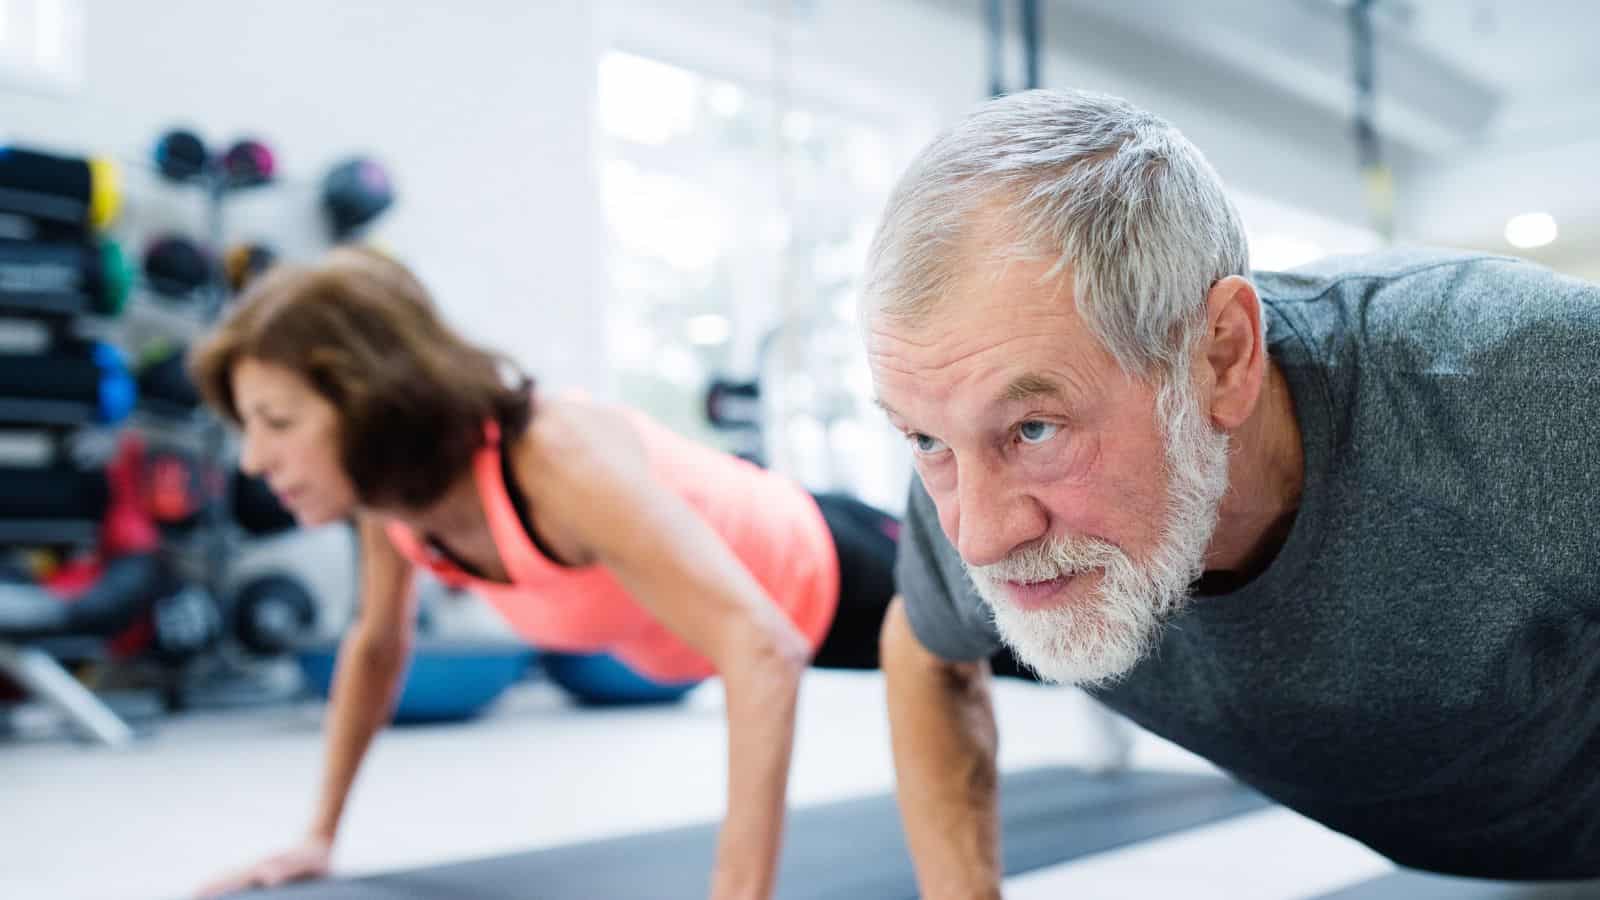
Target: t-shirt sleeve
column 946, row 613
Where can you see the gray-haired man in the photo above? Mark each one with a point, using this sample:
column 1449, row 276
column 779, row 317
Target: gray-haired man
column 1333, row 529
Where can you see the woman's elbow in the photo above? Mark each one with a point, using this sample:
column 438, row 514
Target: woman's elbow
column 774, row 655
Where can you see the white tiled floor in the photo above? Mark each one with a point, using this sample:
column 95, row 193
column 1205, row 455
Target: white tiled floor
column 211, row 790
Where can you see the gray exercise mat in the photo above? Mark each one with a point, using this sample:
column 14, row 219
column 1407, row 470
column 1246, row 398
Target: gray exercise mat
column 1407, row 885
column 851, row 850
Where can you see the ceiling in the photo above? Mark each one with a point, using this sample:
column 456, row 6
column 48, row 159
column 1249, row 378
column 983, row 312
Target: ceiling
column 1529, row 52
column 1487, row 108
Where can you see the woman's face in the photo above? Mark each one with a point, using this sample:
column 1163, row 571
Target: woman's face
column 291, row 439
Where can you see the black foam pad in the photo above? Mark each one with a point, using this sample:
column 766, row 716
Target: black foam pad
column 1407, row 885
column 847, row 850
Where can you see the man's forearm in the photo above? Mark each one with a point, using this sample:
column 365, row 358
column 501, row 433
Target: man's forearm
column 942, row 724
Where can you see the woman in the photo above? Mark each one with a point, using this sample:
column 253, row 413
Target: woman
column 589, row 527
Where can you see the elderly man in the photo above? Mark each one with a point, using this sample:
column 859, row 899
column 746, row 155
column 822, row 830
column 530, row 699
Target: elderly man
column 1334, row 529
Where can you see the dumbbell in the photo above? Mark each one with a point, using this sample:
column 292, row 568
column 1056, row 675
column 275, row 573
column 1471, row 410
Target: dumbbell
column 63, row 196
column 354, row 193
column 93, row 376
column 248, row 163
column 94, row 277
column 243, row 262
column 176, row 266
column 271, row 612
column 181, row 155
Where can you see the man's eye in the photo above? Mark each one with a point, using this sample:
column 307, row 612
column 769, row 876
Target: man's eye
column 1035, row 432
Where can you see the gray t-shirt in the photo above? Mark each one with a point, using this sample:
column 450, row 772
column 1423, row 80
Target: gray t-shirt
column 1419, row 666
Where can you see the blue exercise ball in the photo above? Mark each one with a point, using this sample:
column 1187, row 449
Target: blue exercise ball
column 448, row 681
column 599, row 679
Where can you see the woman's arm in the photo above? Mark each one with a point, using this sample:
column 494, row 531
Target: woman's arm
column 372, row 659
column 682, row 571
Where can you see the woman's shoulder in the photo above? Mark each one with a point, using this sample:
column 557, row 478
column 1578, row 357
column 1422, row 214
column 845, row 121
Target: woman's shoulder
column 574, row 432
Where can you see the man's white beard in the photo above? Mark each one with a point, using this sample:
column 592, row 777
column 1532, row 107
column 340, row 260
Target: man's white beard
column 1099, row 639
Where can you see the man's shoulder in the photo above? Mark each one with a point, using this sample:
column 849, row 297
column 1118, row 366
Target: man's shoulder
column 1442, row 312
column 1314, row 279
column 1462, row 388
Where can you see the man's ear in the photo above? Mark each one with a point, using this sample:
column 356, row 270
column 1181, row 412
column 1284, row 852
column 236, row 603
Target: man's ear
column 1233, row 353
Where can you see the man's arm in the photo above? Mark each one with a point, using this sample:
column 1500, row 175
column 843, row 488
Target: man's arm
column 942, row 725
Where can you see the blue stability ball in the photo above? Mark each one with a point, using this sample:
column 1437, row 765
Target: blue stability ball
column 600, row 679
column 447, row 681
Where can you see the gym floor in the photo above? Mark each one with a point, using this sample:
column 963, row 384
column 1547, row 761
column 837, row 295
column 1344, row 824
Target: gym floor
column 208, row 790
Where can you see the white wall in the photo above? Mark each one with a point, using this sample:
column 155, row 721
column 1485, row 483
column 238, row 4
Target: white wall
column 483, row 118
column 1587, row 267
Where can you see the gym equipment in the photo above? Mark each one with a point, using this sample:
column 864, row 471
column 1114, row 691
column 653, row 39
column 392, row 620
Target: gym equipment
column 174, row 489
column 848, row 849
column 56, row 492
column 40, row 674
column 181, row 155
column 247, row 164
column 126, row 588
column 127, row 526
column 243, row 262
column 354, row 193
column 63, row 197
column 75, row 383
column 1408, row 885
column 186, row 623
column 600, row 679
column 176, row 266
column 164, row 383
column 111, row 598
column 1377, row 177
column 735, row 407
column 1029, row 22
column 256, row 508
column 447, row 681
column 60, row 277
column 271, row 612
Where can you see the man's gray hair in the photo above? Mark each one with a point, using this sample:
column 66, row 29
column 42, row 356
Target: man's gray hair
column 1086, row 180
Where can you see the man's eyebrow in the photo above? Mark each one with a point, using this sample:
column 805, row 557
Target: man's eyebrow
column 1027, row 386
column 1032, row 385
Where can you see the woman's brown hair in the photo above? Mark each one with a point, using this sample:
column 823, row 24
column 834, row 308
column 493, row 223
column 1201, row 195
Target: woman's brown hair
column 412, row 394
